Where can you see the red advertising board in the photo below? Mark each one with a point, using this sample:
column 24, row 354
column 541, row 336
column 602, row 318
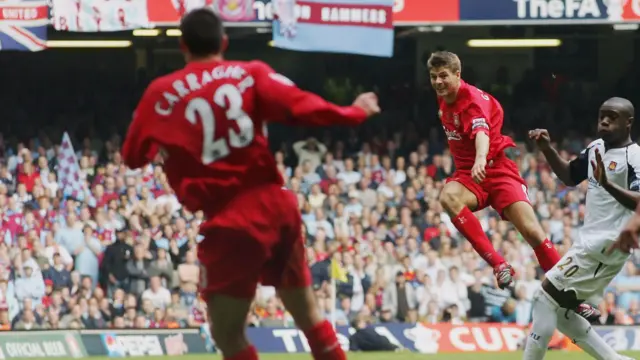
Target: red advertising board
column 631, row 10
column 415, row 12
column 474, row 337
column 162, row 12
column 406, row 12
column 439, row 338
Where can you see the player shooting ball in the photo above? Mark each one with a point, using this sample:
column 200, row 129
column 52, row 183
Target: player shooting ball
column 484, row 176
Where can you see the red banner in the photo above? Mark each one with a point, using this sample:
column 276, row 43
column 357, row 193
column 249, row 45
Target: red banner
column 425, row 11
column 631, row 10
column 480, row 337
column 24, row 12
column 164, row 12
column 438, row 338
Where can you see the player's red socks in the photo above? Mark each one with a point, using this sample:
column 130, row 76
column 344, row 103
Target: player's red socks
column 249, row 353
column 470, row 228
column 547, row 255
column 324, row 342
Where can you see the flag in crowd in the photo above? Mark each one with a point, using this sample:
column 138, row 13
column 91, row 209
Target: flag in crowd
column 23, row 25
column 337, row 272
column 99, row 15
column 69, row 173
column 363, row 27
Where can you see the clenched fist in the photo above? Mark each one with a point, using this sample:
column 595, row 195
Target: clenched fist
column 541, row 137
column 368, row 102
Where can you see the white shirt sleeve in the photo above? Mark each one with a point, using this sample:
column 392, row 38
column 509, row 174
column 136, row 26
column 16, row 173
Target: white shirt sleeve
column 633, row 162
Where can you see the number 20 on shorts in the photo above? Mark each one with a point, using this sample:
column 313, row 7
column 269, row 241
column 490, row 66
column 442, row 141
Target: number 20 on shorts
column 567, row 267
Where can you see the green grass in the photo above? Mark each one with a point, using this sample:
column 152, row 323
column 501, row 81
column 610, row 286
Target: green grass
column 556, row 355
column 552, row 355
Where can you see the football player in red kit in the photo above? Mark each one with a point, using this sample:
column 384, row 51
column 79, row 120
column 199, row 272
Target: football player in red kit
column 208, row 120
column 484, row 176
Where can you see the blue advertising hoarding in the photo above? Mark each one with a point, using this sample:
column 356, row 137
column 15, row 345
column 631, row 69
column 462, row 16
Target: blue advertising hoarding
column 541, row 11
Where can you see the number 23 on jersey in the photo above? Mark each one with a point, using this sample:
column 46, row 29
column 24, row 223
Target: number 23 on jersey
column 215, row 146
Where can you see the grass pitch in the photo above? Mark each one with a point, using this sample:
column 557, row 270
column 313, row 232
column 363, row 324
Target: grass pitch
column 555, row 355
column 552, row 355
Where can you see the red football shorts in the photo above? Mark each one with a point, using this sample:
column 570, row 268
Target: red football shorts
column 255, row 239
column 502, row 186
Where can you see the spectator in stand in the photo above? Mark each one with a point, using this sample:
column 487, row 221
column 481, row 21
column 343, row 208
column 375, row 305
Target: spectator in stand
column 52, row 321
column 27, row 321
column 86, row 261
column 92, row 318
column 70, row 235
column 27, row 174
column 189, row 276
column 29, row 285
column 5, row 322
column 505, row 313
column 159, row 296
column 399, row 297
column 138, row 271
column 478, row 306
column 309, row 150
column 349, row 176
column 163, row 268
column 523, row 308
column 114, row 274
column 58, row 274
column 179, row 311
column 627, row 285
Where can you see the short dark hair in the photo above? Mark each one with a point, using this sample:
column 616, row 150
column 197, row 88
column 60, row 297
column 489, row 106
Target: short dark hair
column 202, row 32
column 445, row 59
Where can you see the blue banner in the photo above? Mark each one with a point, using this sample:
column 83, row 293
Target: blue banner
column 537, row 10
column 292, row 340
column 23, row 25
column 621, row 338
column 342, row 26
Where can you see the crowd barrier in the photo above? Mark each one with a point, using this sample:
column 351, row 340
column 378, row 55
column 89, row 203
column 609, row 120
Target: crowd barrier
column 439, row 338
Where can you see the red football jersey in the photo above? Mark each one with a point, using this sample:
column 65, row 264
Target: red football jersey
column 209, row 119
column 473, row 111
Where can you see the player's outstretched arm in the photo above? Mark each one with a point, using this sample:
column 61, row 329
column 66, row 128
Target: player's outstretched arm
column 281, row 100
column 570, row 173
column 137, row 147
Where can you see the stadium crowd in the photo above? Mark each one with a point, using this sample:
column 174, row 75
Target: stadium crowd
column 123, row 254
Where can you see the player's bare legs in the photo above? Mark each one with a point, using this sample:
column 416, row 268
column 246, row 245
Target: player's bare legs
column 522, row 216
column 458, row 201
column 227, row 317
column 301, row 303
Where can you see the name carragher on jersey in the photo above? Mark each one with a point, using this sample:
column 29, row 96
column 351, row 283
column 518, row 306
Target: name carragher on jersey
column 195, row 81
